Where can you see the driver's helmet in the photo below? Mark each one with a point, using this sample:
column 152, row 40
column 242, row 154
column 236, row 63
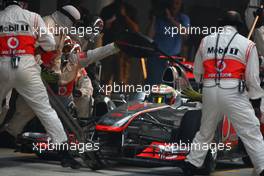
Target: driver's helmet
column 163, row 94
column 68, row 44
column 76, row 48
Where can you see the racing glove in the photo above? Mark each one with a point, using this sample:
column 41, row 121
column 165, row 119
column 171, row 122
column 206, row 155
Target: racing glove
column 192, row 94
column 258, row 12
column 49, row 76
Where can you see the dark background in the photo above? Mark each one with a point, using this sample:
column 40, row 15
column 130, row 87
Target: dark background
column 201, row 12
column 207, row 10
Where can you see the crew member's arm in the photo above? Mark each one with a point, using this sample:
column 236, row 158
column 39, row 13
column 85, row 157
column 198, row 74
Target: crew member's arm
column 44, row 37
column 92, row 56
column 198, row 70
column 259, row 39
column 249, row 13
column 184, row 23
column 46, row 42
column 252, row 74
column 172, row 19
column 84, row 85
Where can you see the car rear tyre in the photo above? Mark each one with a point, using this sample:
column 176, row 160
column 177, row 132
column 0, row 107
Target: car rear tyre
column 92, row 161
column 190, row 125
column 247, row 161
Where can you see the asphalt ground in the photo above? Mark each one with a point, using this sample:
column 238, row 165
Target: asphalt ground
column 17, row 164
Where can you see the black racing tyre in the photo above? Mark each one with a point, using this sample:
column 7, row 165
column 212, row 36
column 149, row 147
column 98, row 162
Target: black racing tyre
column 247, row 161
column 48, row 156
column 93, row 162
column 190, row 125
column 92, row 159
column 94, row 166
column 43, row 156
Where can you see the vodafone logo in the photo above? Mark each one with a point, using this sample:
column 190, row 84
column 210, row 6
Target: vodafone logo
column 13, row 42
column 221, row 66
column 62, row 90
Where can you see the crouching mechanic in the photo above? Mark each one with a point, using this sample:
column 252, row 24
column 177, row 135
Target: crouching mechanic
column 18, row 67
column 224, row 63
column 77, row 94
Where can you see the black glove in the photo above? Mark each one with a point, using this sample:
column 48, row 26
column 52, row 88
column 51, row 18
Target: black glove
column 258, row 12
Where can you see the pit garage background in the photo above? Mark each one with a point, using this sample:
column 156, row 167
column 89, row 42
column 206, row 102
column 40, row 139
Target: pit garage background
column 208, row 11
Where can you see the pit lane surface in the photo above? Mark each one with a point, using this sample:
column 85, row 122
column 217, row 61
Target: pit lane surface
column 16, row 164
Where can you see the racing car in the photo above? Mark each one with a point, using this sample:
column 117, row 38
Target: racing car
column 155, row 132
